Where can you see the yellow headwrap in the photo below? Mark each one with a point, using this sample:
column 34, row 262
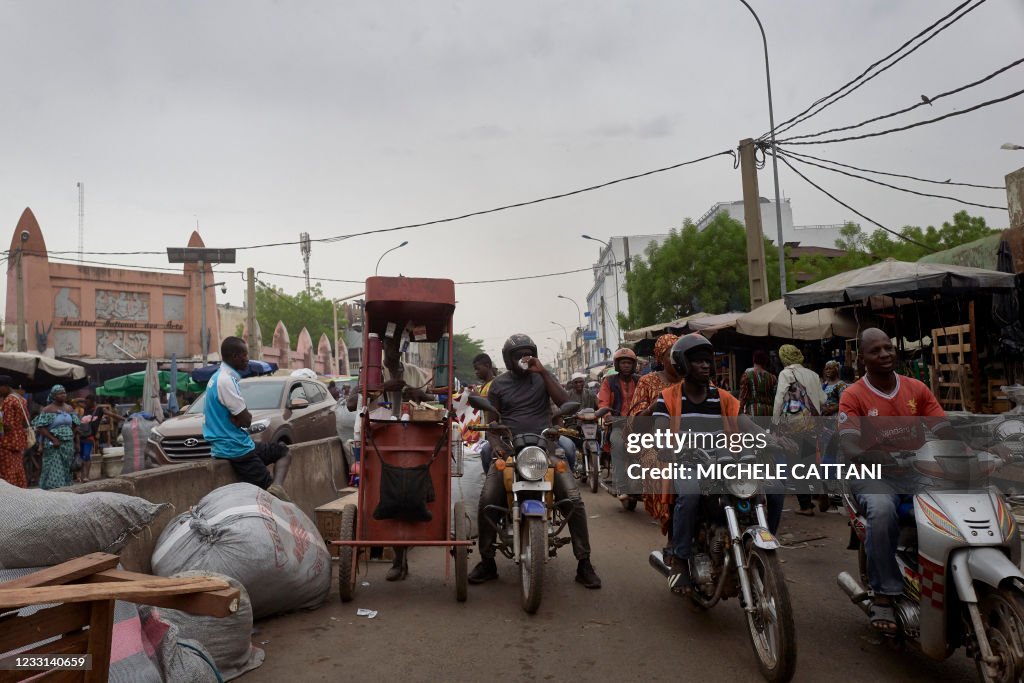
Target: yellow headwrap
column 790, row 355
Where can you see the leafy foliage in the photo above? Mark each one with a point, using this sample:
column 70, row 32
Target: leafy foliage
column 464, row 350
column 310, row 310
column 707, row 271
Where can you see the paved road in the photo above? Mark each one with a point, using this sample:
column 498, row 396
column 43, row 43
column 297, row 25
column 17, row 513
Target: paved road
column 632, row 629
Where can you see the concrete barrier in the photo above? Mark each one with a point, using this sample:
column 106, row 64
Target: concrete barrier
column 316, row 476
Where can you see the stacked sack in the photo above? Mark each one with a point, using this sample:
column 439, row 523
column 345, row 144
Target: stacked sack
column 271, row 547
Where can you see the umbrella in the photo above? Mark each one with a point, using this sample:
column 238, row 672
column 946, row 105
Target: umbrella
column 35, row 372
column 172, row 381
column 132, row 385
column 151, row 391
column 256, row 368
column 775, row 320
column 897, row 278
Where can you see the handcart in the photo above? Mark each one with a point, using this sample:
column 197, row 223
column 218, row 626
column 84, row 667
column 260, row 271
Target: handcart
column 407, row 458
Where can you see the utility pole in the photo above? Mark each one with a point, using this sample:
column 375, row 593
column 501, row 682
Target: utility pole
column 20, row 293
column 756, row 271
column 250, row 313
column 334, row 344
column 202, row 308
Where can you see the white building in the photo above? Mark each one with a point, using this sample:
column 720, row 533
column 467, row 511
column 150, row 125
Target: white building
column 608, row 297
column 793, row 235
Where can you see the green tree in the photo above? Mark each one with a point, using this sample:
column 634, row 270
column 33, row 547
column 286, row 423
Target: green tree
column 464, row 350
column 305, row 309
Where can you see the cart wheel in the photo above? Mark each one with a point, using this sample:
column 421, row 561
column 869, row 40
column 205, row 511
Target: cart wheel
column 461, row 553
column 347, row 554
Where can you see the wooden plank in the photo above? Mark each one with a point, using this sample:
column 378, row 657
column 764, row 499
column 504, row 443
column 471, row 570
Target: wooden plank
column 66, row 572
column 975, row 367
column 221, row 603
column 74, row 644
column 64, row 676
column 16, row 632
column 129, row 591
column 340, row 503
column 101, row 637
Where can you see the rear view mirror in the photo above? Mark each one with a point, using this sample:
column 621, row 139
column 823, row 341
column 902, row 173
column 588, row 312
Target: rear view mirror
column 569, row 408
column 481, row 403
column 298, row 403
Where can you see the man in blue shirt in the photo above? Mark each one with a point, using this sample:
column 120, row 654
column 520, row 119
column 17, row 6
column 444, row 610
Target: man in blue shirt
column 228, row 421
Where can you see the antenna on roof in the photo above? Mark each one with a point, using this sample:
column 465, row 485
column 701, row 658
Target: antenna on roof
column 305, row 246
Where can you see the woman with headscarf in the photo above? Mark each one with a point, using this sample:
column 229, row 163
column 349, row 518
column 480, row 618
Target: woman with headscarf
column 657, row 502
column 14, row 440
column 757, row 388
column 798, row 384
column 57, row 424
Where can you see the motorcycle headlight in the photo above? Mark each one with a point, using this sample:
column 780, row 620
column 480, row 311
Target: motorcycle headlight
column 741, row 488
column 532, row 463
column 155, row 436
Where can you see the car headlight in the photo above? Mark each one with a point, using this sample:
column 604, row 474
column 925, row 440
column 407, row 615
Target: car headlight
column 155, row 436
column 532, row 463
column 259, row 426
column 741, row 488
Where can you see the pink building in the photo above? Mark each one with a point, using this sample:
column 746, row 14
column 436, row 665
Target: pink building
column 82, row 311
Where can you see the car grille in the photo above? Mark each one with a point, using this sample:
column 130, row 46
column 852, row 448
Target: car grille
column 188, row 447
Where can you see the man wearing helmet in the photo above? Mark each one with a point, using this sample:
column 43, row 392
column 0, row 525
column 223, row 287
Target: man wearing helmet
column 706, row 410
column 523, row 396
column 616, row 394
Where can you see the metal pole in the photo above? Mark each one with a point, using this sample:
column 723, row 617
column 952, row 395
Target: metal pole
column 334, row 345
column 775, row 162
column 202, row 308
column 250, row 313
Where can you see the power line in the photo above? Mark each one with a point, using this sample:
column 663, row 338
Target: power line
column 922, row 103
column 844, row 204
column 804, row 115
column 961, row 112
column 468, row 282
column 62, row 259
column 895, row 175
column 338, row 238
column 894, row 187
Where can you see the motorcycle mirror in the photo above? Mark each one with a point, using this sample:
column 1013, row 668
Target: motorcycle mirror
column 481, row 403
column 569, row 408
column 603, row 411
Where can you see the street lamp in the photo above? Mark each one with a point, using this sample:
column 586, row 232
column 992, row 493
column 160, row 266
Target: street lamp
column 201, row 256
column 775, row 162
column 471, row 327
column 564, row 331
column 386, row 253
column 579, row 314
column 618, row 310
column 1010, row 146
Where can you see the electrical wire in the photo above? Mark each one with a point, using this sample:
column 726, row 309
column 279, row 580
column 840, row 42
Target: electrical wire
column 893, row 187
column 801, row 155
column 960, row 112
column 468, row 282
column 73, row 261
column 450, row 219
column 857, row 82
column 844, row 204
column 905, row 109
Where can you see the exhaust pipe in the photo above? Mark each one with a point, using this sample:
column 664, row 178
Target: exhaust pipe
column 855, row 591
column 658, row 562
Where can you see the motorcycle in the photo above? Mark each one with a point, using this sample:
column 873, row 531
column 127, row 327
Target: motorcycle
column 530, row 528
column 959, row 554
column 583, row 430
column 628, row 501
column 735, row 556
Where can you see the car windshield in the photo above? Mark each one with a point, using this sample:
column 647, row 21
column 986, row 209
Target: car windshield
column 257, row 395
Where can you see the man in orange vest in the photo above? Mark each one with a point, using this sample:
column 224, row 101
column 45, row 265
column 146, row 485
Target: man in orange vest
column 707, row 410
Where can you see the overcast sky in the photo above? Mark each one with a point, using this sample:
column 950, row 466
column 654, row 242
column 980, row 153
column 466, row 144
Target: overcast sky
column 261, row 120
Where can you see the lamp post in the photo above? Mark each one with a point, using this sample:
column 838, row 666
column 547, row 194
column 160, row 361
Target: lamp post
column 579, row 320
column 615, row 267
column 377, row 267
column 471, row 327
column 201, row 256
column 775, row 162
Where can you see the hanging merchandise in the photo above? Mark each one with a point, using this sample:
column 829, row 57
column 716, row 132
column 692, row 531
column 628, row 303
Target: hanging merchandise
column 441, row 363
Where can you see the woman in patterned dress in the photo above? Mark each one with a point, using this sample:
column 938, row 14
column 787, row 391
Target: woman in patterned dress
column 14, row 441
column 757, row 388
column 56, row 424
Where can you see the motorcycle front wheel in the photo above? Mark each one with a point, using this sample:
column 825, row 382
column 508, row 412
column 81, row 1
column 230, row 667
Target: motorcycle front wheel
column 1002, row 612
column 771, row 623
column 531, row 562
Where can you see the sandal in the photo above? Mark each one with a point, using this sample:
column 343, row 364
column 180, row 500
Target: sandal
column 806, row 512
column 883, row 618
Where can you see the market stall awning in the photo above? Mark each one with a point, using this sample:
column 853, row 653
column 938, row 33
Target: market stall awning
column 36, row 373
column 713, row 323
column 897, row 279
column 983, row 253
column 658, row 329
column 775, row 320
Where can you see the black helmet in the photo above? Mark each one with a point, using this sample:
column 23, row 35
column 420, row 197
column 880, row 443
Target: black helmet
column 684, row 346
column 514, row 343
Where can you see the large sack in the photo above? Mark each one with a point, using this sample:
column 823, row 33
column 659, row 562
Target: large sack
column 40, row 528
column 467, row 487
column 242, row 531
column 227, row 639
column 142, row 650
column 135, row 433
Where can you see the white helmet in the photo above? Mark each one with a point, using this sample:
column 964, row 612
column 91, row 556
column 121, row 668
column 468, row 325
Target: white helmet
column 578, row 375
column 304, row 373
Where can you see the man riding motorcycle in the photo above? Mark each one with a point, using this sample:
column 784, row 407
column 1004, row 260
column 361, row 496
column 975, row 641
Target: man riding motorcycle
column 709, row 410
column 579, row 392
column 522, row 396
column 869, row 434
column 616, row 393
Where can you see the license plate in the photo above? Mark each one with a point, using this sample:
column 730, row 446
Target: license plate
column 590, row 431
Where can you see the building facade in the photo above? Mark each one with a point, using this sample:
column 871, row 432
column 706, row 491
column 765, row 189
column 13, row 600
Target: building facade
column 78, row 311
column 793, row 235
